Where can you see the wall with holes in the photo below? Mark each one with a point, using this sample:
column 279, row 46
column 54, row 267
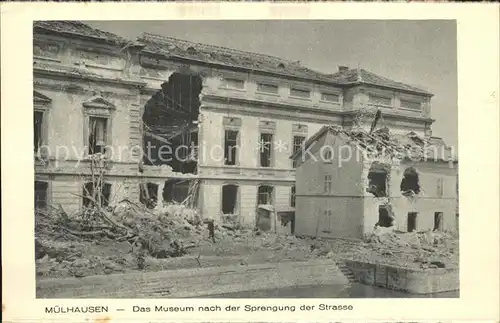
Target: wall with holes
column 437, row 182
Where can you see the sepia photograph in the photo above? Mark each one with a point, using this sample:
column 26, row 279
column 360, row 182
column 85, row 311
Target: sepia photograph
column 246, row 159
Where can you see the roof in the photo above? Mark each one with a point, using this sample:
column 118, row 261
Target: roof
column 173, row 47
column 211, row 54
column 361, row 76
column 382, row 142
column 80, row 29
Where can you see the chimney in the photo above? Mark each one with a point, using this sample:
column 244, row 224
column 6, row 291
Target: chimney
column 343, row 69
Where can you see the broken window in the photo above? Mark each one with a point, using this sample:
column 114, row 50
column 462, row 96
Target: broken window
column 149, row 194
column 229, row 199
column 438, row 221
column 37, row 131
column 267, row 88
column 97, row 135
column 170, row 122
column 230, row 147
column 176, row 190
column 98, row 192
column 384, row 217
column 265, row 195
column 41, row 189
column 411, row 222
column 409, row 183
column 298, row 142
column 300, row 93
column 266, row 149
column 377, row 179
column 330, row 97
column 328, row 184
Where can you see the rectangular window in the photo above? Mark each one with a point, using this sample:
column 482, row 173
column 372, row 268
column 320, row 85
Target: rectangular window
column 438, row 221
column 328, row 184
column 91, row 193
column 37, row 131
column 148, row 194
column 412, row 221
column 300, row 93
column 230, row 147
column 229, row 199
column 327, row 226
column 41, row 189
column 330, row 97
column 97, row 135
column 265, row 195
column 231, row 83
column 298, row 141
column 266, row 149
column 380, row 100
column 405, row 104
column 292, row 196
column 267, row 88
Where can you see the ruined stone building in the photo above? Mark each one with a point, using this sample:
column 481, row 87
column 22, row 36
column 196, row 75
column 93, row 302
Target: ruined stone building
column 350, row 181
column 228, row 120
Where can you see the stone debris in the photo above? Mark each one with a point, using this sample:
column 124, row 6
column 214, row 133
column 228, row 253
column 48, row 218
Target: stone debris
column 175, row 236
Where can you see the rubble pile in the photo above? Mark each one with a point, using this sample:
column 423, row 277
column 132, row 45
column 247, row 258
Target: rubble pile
column 106, row 240
column 427, row 249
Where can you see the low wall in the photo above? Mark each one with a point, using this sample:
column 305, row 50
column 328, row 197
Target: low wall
column 417, row 281
column 194, row 282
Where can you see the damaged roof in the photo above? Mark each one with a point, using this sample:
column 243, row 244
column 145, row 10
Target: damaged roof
column 211, row 54
column 173, row 47
column 382, row 142
column 78, row 28
column 359, row 76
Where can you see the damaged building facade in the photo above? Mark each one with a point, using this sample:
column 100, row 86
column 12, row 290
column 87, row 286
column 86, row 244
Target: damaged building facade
column 354, row 180
column 179, row 121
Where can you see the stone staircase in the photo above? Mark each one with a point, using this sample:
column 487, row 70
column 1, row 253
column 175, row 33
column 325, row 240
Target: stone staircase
column 345, row 270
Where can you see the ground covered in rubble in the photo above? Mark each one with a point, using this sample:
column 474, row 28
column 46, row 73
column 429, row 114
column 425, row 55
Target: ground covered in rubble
column 129, row 237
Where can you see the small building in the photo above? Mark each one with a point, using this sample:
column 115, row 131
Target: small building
column 350, row 181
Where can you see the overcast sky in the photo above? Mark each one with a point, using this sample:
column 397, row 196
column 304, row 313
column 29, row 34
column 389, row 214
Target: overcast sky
column 421, row 53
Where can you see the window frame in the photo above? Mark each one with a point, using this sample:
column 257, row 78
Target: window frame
column 271, row 149
column 322, row 94
column 236, row 156
column 299, row 89
column 237, row 204
column 270, row 194
column 294, row 146
column 98, row 107
column 381, row 96
column 267, row 84
column 419, row 109
column 104, row 202
column 327, row 185
column 293, row 196
column 227, row 85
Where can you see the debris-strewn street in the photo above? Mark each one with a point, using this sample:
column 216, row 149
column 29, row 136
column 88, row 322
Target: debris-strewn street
column 129, row 237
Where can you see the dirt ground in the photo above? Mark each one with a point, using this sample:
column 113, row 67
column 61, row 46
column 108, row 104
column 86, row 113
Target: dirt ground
column 174, row 237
